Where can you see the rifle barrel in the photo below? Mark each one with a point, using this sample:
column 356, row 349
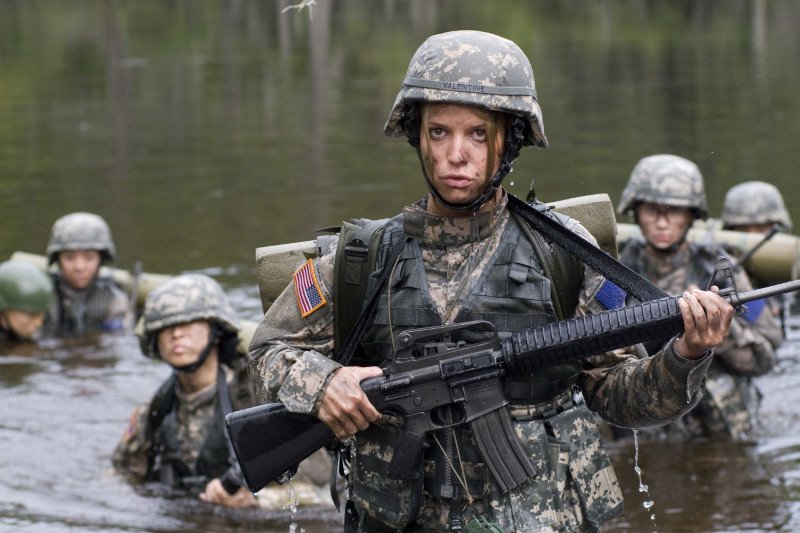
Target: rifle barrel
column 766, row 292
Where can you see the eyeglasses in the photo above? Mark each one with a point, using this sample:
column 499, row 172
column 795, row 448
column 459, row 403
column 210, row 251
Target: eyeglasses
column 652, row 212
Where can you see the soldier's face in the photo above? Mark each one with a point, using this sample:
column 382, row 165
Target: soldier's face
column 22, row 323
column 663, row 226
column 182, row 344
column 79, row 267
column 461, row 147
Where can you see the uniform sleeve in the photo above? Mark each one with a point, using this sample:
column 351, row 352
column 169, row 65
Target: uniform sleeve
column 132, row 454
column 630, row 390
column 292, row 352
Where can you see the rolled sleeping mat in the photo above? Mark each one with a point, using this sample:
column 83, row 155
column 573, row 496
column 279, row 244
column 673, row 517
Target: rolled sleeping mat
column 276, row 264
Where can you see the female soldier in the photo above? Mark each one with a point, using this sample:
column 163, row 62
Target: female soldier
column 85, row 301
column 666, row 194
column 179, row 437
column 468, row 104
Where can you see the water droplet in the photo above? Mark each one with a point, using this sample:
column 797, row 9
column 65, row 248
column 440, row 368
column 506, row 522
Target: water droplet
column 512, row 183
column 648, row 504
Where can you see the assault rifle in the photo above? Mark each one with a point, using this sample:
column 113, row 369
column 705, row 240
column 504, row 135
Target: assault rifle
column 435, row 383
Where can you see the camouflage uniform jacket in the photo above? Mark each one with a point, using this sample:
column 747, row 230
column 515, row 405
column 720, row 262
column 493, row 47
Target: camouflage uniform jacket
column 191, row 436
column 292, row 354
column 730, row 398
column 100, row 307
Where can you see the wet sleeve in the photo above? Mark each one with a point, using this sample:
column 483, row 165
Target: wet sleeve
column 631, row 390
column 291, row 352
column 132, row 453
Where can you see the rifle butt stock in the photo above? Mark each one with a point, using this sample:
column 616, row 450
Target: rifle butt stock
column 269, row 441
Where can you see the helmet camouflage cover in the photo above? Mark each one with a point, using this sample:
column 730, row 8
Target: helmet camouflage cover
column 24, row 287
column 755, row 202
column 81, row 231
column 183, row 299
column 665, row 179
column 475, row 68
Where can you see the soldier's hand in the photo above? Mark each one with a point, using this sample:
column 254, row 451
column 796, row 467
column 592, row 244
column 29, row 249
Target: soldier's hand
column 706, row 322
column 344, row 407
column 216, row 493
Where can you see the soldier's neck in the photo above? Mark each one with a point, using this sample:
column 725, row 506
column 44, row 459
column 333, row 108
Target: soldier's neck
column 201, row 378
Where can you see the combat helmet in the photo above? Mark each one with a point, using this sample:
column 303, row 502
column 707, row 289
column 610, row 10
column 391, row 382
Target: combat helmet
column 183, row 299
column 81, row 231
column 474, row 68
column 666, row 180
column 24, row 287
column 755, row 202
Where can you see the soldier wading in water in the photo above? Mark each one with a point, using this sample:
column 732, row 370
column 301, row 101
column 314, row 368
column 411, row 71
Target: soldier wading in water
column 466, row 257
column 179, row 438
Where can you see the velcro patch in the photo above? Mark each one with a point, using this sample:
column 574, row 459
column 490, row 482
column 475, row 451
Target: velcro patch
column 610, row 295
column 754, row 309
column 307, row 289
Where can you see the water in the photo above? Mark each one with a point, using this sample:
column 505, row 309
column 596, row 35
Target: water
column 201, row 131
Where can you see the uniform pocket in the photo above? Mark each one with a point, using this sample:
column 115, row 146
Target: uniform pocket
column 391, row 501
column 589, row 466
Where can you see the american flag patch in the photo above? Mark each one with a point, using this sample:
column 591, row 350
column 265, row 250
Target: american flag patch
column 306, row 288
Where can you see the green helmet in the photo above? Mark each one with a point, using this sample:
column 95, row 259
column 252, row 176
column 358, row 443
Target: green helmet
column 24, row 287
column 665, row 179
column 755, row 202
column 182, row 299
column 475, row 68
column 81, row 231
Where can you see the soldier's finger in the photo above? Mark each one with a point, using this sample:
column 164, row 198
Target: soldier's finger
column 698, row 312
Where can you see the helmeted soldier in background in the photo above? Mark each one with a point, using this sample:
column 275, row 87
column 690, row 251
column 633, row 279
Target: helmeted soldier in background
column 756, row 207
column 179, row 436
column 468, row 104
column 26, row 293
column 85, row 301
column 666, row 194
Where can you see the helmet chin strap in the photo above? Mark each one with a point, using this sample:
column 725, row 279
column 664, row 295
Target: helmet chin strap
column 514, row 139
column 191, row 367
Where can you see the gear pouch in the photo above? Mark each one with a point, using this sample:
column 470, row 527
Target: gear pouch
column 589, row 465
column 391, row 501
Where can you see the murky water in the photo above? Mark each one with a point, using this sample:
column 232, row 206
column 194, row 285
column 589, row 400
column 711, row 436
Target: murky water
column 203, row 130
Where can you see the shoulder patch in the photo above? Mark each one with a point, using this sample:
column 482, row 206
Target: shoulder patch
column 610, row 295
column 307, row 289
column 754, row 309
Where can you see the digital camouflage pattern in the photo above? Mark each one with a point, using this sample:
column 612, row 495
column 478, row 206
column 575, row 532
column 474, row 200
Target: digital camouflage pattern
column 475, row 68
column 292, row 355
column 752, row 203
column 24, row 287
column 102, row 306
column 183, row 299
column 195, row 417
column 665, row 179
column 730, row 396
column 81, row 231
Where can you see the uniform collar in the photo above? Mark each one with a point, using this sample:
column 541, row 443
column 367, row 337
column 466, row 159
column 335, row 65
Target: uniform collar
column 451, row 231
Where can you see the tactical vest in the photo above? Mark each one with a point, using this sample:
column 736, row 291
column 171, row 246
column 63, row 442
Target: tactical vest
column 167, row 464
column 704, row 259
column 513, row 292
column 89, row 309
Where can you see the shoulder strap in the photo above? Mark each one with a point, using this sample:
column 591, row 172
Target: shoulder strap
column 541, row 219
column 355, row 260
column 563, row 270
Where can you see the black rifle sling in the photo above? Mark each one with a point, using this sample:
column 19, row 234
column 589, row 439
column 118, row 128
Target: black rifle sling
column 540, row 218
